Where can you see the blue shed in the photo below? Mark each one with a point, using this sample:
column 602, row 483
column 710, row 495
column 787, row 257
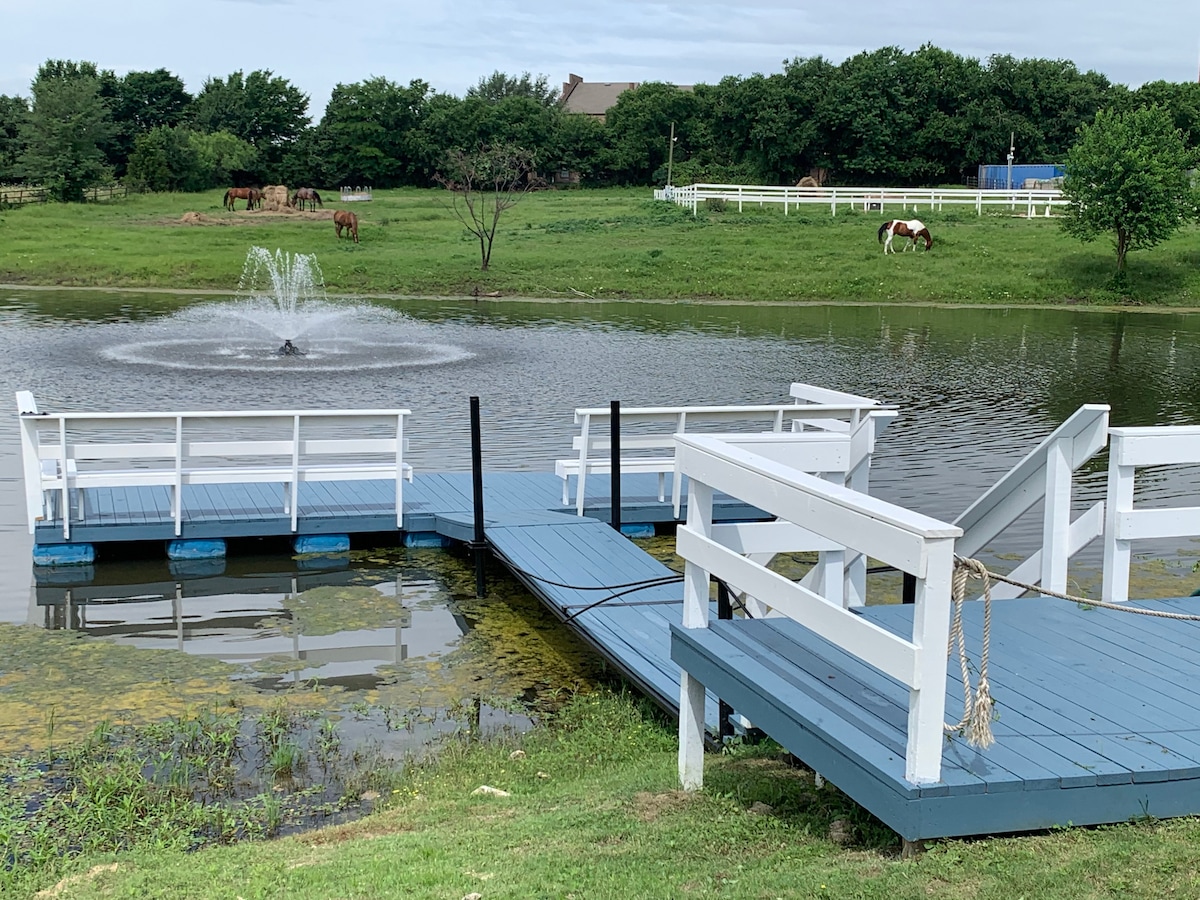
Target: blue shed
column 993, row 177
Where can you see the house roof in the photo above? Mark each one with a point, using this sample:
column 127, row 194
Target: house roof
column 592, row 98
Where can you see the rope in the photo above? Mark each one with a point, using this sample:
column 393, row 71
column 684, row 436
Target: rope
column 1084, row 601
column 976, row 721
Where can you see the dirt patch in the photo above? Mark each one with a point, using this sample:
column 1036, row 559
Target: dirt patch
column 72, row 880
column 241, row 216
column 648, row 807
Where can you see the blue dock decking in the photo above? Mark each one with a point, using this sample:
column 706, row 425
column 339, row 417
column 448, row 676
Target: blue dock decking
column 1097, row 719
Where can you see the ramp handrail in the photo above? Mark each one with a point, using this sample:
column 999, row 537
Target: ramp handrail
column 1044, row 473
column 806, row 505
column 1130, row 449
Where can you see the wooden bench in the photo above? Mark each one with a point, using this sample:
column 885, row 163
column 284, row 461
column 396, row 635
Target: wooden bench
column 648, row 434
column 65, row 454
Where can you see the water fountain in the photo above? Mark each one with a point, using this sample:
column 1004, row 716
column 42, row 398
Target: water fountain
column 282, row 320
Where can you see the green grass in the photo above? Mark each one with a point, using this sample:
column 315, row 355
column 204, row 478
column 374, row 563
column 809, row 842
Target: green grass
column 610, row 244
column 594, row 812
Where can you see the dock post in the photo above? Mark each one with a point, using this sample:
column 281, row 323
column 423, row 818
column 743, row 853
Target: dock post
column 615, row 450
column 479, row 545
column 724, row 710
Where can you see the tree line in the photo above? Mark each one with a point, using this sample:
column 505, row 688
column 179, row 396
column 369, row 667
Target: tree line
column 881, row 117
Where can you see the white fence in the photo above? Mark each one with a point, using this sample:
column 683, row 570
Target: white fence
column 1030, row 202
column 352, row 194
column 813, row 514
column 1129, row 449
column 65, row 454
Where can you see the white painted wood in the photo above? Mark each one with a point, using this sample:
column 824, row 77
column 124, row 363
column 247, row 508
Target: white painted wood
column 1081, row 532
column 691, row 732
column 177, row 449
column 696, row 582
column 1130, row 449
column 890, row 654
column 808, row 508
column 1056, row 522
column 927, row 693
column 857, row 521
column 647, row 443
column 863, row 198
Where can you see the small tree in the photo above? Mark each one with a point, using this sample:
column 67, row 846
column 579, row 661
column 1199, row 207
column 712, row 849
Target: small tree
column 1127, row 176
column 484, row 184
column 66, row 129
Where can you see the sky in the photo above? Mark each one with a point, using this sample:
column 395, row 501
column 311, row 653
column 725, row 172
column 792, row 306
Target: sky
column 317, row 44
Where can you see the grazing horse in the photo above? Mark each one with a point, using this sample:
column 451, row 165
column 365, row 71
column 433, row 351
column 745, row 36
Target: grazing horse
column 348, row 220
column 309, row 194
column 912, row 229
column 252, row 196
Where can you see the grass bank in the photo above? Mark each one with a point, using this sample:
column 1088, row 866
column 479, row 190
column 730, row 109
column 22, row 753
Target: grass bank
column 610, row 244
column 590, row 809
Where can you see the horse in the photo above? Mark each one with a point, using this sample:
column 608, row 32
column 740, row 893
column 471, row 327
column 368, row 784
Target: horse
column 343, row 218
column 912, row 229
column 309, row 194
column 252, row 196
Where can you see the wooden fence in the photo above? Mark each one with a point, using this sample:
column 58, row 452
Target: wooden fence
column 19, row 195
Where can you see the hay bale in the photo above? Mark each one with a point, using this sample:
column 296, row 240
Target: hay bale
column 807, row 181
column 192, row 218
column 275, row 197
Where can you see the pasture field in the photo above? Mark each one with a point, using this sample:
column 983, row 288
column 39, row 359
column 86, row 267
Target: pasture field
column 615, row 244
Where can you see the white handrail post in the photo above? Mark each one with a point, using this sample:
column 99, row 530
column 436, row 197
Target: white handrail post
column 695, row 615
column 584, row 453
column 66, row 481
column 31, row 465
column 177, row 488
column 1056, row 523
column 399, row 470
column 1117, row 551
column 931, row 634
column 295, row 487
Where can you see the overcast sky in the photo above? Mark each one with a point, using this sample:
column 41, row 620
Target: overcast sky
column 316, row 44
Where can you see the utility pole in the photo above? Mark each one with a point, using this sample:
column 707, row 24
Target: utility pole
column 670, row 154
column 1012, row 146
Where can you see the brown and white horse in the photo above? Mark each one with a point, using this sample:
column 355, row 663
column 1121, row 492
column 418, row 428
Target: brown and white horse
column 913, row 229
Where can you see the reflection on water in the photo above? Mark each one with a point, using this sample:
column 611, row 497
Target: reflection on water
column 976, row 389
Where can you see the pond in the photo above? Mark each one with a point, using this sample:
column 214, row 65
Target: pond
column 976, row 389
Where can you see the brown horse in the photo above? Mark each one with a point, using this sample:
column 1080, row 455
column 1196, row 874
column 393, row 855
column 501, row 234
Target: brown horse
column 348, row 220
column 913, row 229
column 252, row 196
column 309, row 194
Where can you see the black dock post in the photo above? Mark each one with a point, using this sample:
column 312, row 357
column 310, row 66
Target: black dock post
column 479, row 545
column 908, row 593
column 615, row 448
column 724, row 710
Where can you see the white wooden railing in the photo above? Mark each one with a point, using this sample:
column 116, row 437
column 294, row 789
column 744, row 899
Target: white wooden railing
column 1130, row 449
column 811, row 511
column 648, row 445
column 65, row 454
column 1044, row 474
column 864, row 198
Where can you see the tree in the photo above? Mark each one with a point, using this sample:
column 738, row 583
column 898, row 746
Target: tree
column 499, row 86
column 66, row 129
column 266, row 111
column 140, row 102
column 1127, row 176
column 483, row 184
column 14, row 114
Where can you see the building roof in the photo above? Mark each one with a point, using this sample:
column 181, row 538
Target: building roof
column 593, row 98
